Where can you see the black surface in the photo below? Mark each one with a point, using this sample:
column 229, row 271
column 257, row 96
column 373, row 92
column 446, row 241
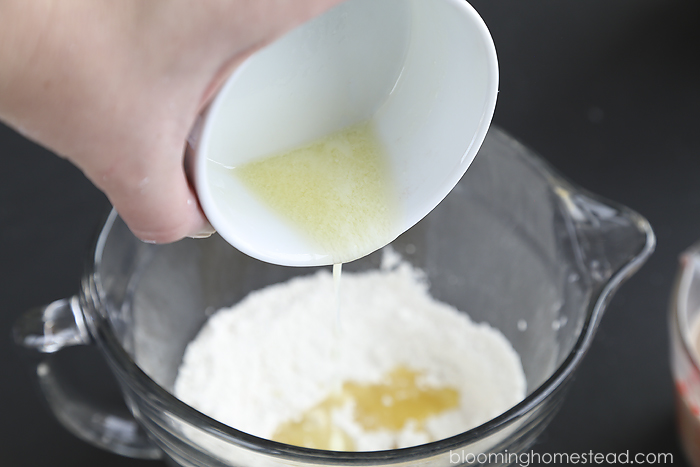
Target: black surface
column 607, row 90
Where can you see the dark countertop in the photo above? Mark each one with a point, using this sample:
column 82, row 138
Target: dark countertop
column 607, row 91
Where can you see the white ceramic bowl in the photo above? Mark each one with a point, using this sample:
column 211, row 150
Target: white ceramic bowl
column 425, row 72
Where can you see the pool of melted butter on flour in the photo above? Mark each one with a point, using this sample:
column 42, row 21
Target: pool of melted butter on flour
column 337, row 191
column 392, row 404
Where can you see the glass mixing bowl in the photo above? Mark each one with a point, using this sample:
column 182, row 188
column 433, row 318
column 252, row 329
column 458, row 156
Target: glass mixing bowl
column 513, row 245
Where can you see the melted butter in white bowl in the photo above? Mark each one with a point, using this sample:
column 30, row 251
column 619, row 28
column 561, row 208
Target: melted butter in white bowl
column 337, row 191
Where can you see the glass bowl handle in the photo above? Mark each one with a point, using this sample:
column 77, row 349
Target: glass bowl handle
column 58, row 325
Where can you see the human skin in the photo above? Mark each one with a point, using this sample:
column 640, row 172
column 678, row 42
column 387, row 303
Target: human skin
column 115, row 86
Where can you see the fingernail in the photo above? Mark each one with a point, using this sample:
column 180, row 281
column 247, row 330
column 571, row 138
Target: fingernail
column 206, row 232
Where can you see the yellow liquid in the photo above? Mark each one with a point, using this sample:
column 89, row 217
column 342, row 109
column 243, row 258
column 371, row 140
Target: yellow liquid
column 336, row 190
column 391, row 404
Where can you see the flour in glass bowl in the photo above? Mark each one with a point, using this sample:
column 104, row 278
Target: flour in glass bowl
column 403, row 368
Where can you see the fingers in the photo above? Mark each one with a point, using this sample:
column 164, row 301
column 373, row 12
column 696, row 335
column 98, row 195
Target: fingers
column 115, row 88
column 153, row 196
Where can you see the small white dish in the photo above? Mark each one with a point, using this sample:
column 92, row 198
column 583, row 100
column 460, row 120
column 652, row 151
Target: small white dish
column 424, row 71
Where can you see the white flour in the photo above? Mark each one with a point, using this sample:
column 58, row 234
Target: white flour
column 275, row 354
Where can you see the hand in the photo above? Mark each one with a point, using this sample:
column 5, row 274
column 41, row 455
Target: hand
column 115, row 87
